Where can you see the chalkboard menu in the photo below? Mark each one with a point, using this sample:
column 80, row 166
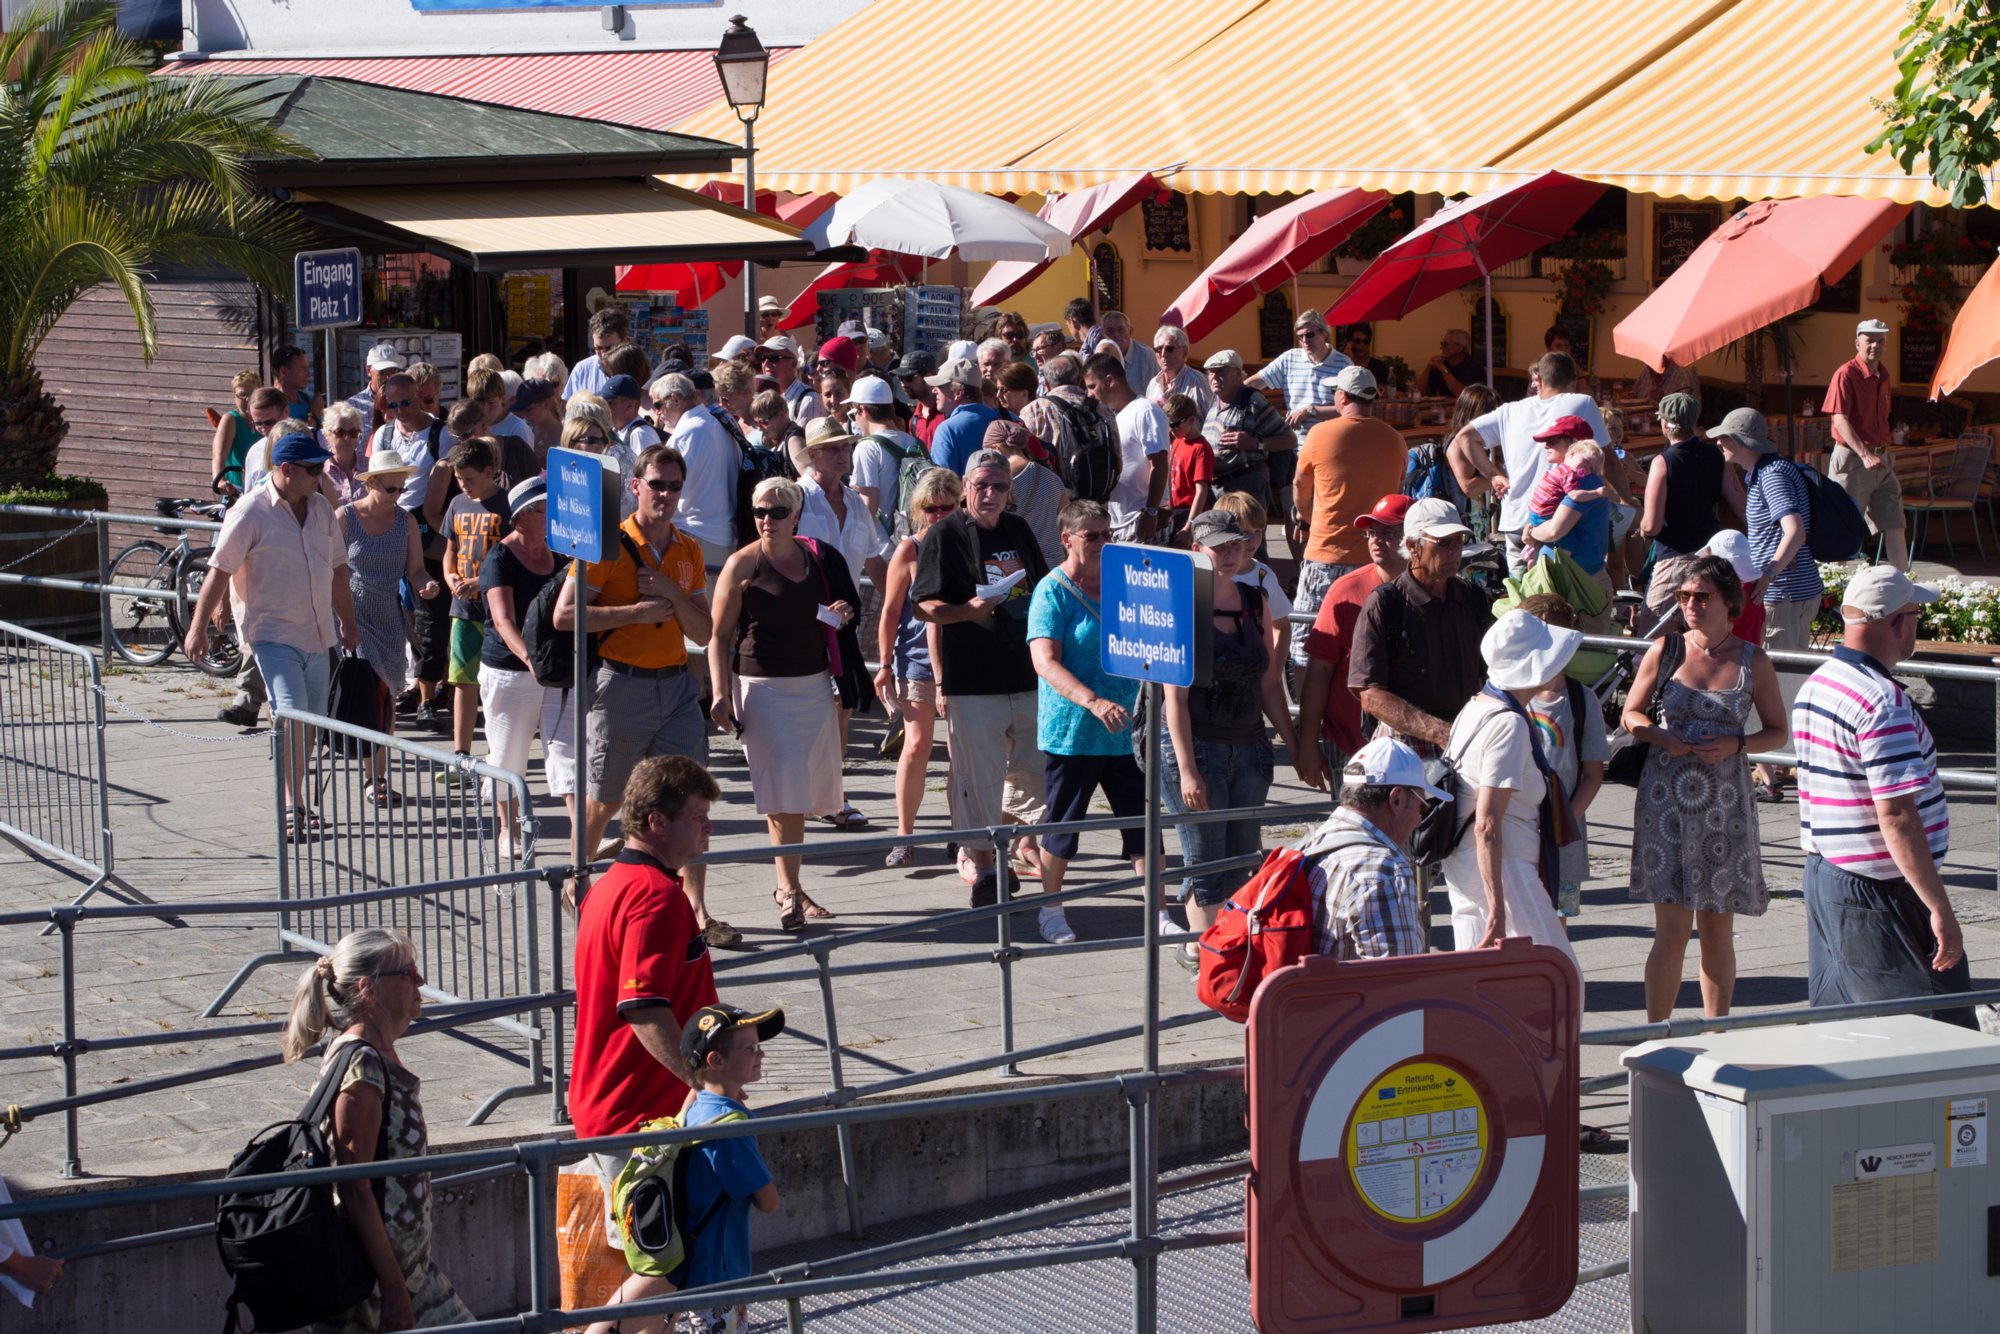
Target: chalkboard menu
column 1274, row 324
column 1168, row 227
column 1477, row 327
column 1107, row 276
column 1917, row 354
column 1678, row 231
column 1582, row 330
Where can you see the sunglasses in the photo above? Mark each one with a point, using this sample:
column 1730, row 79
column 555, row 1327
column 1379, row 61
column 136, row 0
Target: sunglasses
column 1691, row 597
column 771, row 512
column 311, row 469
column 264, row 423
column 398, row 405
column 939, row 509
column 343, row 432
column 591, row 438
column 1094, row 538
column 410, row 972
column 659, row 484
column 990, row 486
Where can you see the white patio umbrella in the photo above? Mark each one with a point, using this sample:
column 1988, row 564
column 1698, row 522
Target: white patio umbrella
column 931, row 220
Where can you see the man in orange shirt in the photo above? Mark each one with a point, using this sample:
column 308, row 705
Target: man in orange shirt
column 1345, row 466
column 645, row 601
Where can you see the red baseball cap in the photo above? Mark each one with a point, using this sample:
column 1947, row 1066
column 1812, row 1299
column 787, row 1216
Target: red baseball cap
column 1569, row 427
column 1389, row 511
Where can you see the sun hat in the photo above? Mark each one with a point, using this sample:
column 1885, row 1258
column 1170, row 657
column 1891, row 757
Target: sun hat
column 1389, row 511
column 1734, row 547
column 385, row 463
column 1523, row 652
column 1433, row 517
column 1879, row 591
column 771, row 304
column 534, row 491
column 824, row 431
column 1747, row 428
column 1387, row 762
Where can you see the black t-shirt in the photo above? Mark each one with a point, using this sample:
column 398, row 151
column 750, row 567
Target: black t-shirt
column 503, row 569
column 987, row 656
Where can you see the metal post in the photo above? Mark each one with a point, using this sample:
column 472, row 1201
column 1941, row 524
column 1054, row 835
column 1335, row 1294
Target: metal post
column 579, row 855
column 1145, row 1203
column 544, row 1283
column 1155, row 897
column 1145, row 1111
column 1996, row 792
column 104, row 581
column 72, row 1163
column 1004, row 956
column 843, row 1136
column 795, row 1320
column 750, row 203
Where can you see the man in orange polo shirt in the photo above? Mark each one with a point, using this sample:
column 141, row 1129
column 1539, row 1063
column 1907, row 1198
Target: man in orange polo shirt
column 645, row 602
column 1346, row 464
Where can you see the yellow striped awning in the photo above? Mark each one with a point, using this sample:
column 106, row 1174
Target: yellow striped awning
column 957, row 90
column 1771, row 102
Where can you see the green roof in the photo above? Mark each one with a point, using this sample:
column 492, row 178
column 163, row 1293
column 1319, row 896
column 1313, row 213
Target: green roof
column 355, row 128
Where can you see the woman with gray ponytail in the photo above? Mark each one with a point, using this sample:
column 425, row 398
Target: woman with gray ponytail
column 367, row 991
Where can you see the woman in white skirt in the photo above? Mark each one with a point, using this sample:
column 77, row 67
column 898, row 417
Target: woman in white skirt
column 518, row 567
column 768, row 666
column 1495, row 875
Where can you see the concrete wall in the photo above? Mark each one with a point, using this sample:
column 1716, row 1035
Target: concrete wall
column 400, row 28
column 909, row 1168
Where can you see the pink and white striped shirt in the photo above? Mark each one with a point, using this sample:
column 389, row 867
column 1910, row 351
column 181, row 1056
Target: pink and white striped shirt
column 1859, row 741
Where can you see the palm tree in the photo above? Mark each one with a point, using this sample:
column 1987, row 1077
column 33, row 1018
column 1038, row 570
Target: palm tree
column 105, row 175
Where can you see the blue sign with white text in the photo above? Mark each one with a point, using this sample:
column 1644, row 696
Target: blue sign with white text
column 582, row 505
column 327, row 288
column 1157, row 609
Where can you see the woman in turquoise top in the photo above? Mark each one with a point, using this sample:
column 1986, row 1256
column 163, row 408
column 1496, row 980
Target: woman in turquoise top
column 234, row 435
column 1086, row 713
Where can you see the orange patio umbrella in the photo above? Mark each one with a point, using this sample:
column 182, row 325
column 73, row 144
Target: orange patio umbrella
column 1770, row 260
column 1270, row 252
column 1975, row 336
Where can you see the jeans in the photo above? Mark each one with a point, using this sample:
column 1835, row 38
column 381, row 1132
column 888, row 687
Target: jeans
column 1234, row 776
column 296, row 678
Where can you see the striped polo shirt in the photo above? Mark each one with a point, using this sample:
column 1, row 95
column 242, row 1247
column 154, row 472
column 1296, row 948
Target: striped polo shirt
column 1859, row 740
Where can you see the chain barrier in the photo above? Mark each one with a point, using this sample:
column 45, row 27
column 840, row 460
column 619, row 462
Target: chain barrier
column 118, row 706
column 49, row 545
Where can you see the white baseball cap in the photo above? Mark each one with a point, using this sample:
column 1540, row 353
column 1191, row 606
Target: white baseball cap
column 1387, row 762
column 1871, row 327
column 1879, row 591
column 963, row 350
column 382, row 357
column 737, row 345
column 1734, row 547
column 1433, row 517
column 872, row 390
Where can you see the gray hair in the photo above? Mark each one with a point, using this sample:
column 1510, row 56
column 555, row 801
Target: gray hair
column 675, row 383
column 1173, row 333
column 1460, row 336
column 1365, row 796
column 1312, row 319
column 548, row 366
column 339, row 413
column 1077, row 513
column 336, row 986
column 590, row 408
column 996, row 345
column 1065, row 368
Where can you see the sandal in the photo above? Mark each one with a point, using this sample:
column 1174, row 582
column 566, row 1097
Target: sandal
column 382, row 795
column 1771, row 794
column 803, row 902
column 846, row 818
column 1024, row 869
column 793, row 916
column 302, row 824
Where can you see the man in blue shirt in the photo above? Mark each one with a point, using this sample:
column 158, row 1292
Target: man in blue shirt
column 959, row 435
column 723, row 1045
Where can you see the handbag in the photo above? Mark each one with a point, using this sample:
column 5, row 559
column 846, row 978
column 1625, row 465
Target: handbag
column 359, row 699
column 1628, row 753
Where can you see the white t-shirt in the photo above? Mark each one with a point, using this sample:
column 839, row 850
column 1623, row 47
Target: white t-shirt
column 1512, row 427
column 856, row 539
column 879, row 470
column 414, row 450
column 1495, row 753
column 1142, row 433
column 708, row 501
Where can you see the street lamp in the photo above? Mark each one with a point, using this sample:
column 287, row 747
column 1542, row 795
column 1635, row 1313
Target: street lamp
column 743, row 64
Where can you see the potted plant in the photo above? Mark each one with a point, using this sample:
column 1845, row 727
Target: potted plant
column 53, row 548
column 1370, row 239
column 1582, row 266
column 1938, row 257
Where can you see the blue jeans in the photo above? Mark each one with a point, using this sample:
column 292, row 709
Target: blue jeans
column 1235, row 776
column 294, row 678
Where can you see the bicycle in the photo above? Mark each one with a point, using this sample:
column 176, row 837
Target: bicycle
column 144, row 630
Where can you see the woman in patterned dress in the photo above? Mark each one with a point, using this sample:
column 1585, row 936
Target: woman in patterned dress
column 368, row 990
column 1696, row 852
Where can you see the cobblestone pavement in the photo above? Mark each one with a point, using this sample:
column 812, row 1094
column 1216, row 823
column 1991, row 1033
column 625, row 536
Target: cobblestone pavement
column 191, row 813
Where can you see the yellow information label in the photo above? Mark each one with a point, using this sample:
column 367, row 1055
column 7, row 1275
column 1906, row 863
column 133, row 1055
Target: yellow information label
column 1416, row 1142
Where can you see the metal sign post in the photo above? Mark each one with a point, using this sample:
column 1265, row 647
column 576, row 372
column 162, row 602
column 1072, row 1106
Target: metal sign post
column 583, row 525
column 1156, row 628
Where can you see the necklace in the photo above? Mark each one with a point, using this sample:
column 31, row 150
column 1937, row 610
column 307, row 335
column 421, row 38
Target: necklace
column 1711, row 651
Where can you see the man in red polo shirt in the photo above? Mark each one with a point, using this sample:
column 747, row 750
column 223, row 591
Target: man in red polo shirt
column 1858, row 398
column 641, row 961
column 1325, row 696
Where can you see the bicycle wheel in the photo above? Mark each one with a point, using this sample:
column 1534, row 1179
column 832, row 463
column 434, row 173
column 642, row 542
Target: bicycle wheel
column 142, row 629
column 224, row 656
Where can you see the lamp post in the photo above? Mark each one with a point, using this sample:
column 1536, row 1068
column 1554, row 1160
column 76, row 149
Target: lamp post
column 744, row 64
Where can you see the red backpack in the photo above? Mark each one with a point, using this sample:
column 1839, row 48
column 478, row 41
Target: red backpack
column 1265, row 926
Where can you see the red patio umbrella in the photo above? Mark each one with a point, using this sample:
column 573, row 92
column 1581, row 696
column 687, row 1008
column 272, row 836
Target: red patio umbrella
column 1975, row 336
column 1079, row 213
column 882, row 269
column 1769, row 261
column 1271, row 251
column 1463, row 242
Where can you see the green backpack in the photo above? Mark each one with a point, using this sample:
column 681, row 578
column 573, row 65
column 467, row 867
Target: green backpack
column 649, row 1199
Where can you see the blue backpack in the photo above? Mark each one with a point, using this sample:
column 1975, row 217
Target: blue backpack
column 1429, row 474
column 1835, row 530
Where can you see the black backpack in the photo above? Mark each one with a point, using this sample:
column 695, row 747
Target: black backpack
column 894, row 515
column 757, row 462
column 293, row 1258
column 1442, row 824
column 1094, row 462
column 552, row 652
column 1835, row 530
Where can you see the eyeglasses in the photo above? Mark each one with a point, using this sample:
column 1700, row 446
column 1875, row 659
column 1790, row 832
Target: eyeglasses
column 398, row 405
column 264, row 423
column 1692, row 597
column 1378, row 532
column 590, row 438
column 935, row 510
column 771, row 512
column 659, row 484
column 989, row 486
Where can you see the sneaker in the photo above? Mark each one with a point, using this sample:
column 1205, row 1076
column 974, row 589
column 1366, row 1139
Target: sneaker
column 985, row 891
column 238, row 715
column 1168, row 926
column 898, row 856
column 425, row 716
column 1055, row 926
column 1188, row 957
column 608, row 849
column 455, row 776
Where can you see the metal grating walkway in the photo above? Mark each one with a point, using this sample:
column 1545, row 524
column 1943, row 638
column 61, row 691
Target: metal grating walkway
column 1201, row 1291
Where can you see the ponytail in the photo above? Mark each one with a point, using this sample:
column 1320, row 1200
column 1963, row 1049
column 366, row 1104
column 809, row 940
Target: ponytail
column 331, row 988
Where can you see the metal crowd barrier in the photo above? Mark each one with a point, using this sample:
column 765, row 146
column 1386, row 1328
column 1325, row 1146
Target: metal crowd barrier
column 451, row 1013
column 493, row 932
column 54, row 799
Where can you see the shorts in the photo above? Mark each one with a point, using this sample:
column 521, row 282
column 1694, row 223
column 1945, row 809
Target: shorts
column 914, row 691
column 466, row 637
column 1315, row 578
column 1876, row 492
column 995, row 765
column 1788, row 625
column 1073, row 779
column 296, row 679
column 632, row 717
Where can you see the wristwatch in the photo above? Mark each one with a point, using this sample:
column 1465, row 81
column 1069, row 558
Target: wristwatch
column 1152, row 511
